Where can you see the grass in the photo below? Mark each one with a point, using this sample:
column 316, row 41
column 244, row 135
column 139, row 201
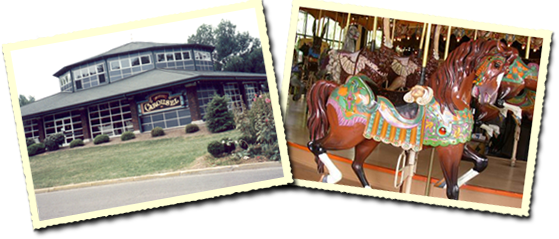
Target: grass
column 120, row 160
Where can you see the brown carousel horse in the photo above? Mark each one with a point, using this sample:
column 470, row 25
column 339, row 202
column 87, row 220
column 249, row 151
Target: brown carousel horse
column 356, row 114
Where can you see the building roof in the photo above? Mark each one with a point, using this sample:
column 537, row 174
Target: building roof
column 146, row 81
column 131, row 47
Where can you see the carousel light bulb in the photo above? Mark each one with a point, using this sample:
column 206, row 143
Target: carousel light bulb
column 416, row 37
column 408, row 37
column 534, row 50
column 444, row 38
column 457, row 39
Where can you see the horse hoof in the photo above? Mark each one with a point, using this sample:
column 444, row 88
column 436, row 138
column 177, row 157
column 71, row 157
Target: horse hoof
column 368, row 187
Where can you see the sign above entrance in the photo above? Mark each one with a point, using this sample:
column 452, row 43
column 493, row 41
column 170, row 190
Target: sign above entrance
column 160, row 101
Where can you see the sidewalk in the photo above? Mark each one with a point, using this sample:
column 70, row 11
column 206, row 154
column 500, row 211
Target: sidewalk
column 163, row 175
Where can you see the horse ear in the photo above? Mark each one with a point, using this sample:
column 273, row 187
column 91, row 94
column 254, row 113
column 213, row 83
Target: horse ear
column 314, row 27
column 324, row 30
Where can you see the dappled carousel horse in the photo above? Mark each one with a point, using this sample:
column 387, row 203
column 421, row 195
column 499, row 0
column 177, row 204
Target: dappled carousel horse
column 357, row 114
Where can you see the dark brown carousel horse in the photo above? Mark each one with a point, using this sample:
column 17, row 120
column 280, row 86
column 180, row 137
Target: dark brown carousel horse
column 357, row 115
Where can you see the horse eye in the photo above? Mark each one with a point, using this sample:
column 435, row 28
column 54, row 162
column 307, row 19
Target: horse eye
column 497, row 64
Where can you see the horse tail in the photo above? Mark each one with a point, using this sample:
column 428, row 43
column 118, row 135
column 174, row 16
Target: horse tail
column 317, row 123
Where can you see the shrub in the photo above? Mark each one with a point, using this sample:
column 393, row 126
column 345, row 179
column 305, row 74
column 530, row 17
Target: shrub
column 128, row 135
column 228, row 145
column 53, row 141
column 191, row 128
column 29, row 141
column 218, row 117
column 246, row 140
column 76, row 143
column 215, row 148
column 157, row 131
column 35, row 149
column 102, row 138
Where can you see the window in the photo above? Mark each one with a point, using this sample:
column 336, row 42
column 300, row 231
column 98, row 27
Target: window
column 203, row 55
column 92, row 70
column 160, row 57
column 102, row 78
column 113, row 118
column 69, row 123
column 205, row 94
column 79, row 84
column 135, row 61
column 170, row 57
column 115, row 65
column 125, row 63
column 186, row 55
column 178, row 56
column 31, row 128
column 234, row 96
column 100, row 68
column 145, row 60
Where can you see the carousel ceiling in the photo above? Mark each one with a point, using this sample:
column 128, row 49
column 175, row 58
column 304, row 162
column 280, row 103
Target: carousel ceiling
column 406, row 29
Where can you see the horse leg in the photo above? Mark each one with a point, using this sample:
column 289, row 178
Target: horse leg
column 480, row 163
column 362, row 151
column 449, row 157
column 337, row 138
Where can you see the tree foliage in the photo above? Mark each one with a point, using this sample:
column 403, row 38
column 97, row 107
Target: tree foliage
column 24, row 100
column 218, row 117
column 234, row 51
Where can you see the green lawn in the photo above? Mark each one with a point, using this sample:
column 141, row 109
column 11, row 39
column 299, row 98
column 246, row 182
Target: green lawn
column 120, row 160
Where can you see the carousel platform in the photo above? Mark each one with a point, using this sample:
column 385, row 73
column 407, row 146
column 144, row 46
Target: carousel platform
column 500, row 184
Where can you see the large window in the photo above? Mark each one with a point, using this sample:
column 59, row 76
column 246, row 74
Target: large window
column 175, row 58
column 66, row 82
column 69, row 123
column 205, row 94
column 31, row 128
column 90, row 75
column 167, row 119
column 234, row 96
column 129, row 64
column 251, row 90
column 332, row 35
column 112, row 118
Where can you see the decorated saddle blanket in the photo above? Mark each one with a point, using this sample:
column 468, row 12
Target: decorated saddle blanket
column 355, row 102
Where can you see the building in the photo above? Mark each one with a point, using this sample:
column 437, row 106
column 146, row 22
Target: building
column 136, row 87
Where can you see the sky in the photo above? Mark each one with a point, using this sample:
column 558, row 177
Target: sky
column 34, row 67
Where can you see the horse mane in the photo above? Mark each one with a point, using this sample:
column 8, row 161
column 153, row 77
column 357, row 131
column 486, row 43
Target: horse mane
column 460, row 63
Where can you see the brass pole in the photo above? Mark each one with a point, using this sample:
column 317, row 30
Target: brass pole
column 422, row 36
column 347, row 23
column 334, row 33
column 319, row 23
column 393, row 30
column 447, row 42
column 428, row 183
column 358, row 43
column 426, row 52
column 374, row 33
column 475, row 35
column 528, row 47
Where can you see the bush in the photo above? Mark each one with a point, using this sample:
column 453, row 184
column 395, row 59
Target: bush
column 216, row 149
column 157, row 131
column 29, row 141
column 35, row 149
column 128, row 135
column 76, row 143
column 191, row 128
column 218, row 117
column 246, row 140
column 102, row 138
column 53, row 141
column 228, row 145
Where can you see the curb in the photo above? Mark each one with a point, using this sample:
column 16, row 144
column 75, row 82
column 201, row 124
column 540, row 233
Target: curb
column 162, row 175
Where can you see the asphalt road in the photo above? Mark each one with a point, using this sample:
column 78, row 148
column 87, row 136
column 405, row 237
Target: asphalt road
column 71, row 202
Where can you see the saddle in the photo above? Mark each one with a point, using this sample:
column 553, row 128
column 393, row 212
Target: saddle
column 393, row 118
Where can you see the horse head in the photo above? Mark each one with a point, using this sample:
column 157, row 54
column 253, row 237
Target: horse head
column 490, row 72
column 317, row 40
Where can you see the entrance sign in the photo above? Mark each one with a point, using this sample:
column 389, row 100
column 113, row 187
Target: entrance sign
column 160, row 101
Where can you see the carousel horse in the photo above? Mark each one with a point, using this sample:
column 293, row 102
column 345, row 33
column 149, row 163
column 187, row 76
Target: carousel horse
column 357, row 114
column 312, row 48
column 519, row 77
column 350, row 39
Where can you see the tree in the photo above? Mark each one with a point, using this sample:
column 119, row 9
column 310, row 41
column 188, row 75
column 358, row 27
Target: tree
column 234, row 51
column 218, row 117
column 204, row 35
column 24, row 100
